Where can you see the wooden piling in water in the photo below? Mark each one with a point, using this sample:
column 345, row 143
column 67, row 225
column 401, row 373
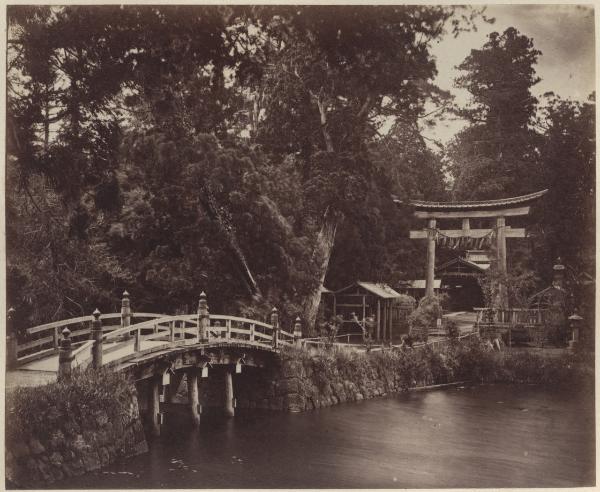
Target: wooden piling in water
column 154, row 405
column 229, row 409
column 193, row 395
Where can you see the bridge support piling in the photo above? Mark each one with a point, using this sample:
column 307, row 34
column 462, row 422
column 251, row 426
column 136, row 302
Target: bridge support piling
column 174, row 386
column 97, row 337
column 65, row 356
column 229, row 409
column 154, row 405
column 193, row 396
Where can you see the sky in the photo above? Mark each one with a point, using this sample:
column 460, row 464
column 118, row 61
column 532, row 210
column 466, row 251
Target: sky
column 563, row 33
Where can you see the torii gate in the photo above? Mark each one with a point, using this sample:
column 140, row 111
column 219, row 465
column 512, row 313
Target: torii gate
column 489, row 209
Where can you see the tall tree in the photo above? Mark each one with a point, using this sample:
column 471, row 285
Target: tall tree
column 569, row 172
column 496, row 153
column 330, row 75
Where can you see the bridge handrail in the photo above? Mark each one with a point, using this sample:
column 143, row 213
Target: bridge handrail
column 65, row 322
column 35, row 343
column 81, row 319
column 85, row 345
column 243, row 320
column 286, row 333
column 148, row 324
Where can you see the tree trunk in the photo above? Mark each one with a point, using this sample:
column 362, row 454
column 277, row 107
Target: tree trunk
column 321, row 255
column 234, row 248
column 324, row 128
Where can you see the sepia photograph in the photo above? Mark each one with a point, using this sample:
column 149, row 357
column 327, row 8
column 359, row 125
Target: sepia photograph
column 291, row 246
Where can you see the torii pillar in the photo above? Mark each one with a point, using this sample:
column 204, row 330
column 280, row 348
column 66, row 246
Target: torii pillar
column 496, row 210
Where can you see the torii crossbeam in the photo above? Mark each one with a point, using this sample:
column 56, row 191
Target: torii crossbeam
column 496, row 210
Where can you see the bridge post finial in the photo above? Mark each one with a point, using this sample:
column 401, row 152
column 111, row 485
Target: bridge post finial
column 275, row 324
column 96, row 335
column 11, row 339
column 125, row 310
column 203, row 317
column 65, row 356
column 298, row 332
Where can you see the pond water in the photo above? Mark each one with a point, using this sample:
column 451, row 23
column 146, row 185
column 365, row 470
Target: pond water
column 472, row 436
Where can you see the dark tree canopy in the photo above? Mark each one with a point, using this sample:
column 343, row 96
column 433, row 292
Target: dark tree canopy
column 253, row 151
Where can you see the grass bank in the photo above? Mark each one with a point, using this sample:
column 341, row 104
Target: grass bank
column 64, row 429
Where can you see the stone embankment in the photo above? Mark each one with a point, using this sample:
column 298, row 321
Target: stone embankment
column 71, row 439
column 302, row 382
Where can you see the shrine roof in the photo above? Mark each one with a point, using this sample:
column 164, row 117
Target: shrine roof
column 476, row 204
column 461, row 261
column 378, row 289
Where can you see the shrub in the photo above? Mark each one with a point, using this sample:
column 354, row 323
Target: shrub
column 36, row 410
column 424, row 317
column 452, row 329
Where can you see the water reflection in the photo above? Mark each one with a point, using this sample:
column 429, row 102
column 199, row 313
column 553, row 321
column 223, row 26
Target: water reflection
column 488, row 436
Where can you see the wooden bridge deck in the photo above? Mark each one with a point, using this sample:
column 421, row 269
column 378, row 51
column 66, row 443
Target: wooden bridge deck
column 43, row 371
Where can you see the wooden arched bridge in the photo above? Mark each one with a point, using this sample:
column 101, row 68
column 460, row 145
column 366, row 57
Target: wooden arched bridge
column 158, row 350
column 155, row 349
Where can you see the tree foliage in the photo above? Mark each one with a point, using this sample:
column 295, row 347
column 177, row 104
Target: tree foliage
column 497, row 152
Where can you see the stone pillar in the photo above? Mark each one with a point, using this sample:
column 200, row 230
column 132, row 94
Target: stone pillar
column 65, row 356
column 11, row 339
column 275, row 324
column 125, row 310
column 203, row 318
column 96, row 335
column 429, row 279
column 229, row 409
column 501, row 257
column 298, row 332
column 154, row 405
column 193, row 395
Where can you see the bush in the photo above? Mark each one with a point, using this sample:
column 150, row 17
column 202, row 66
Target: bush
column 37, row 410
column 425, row 317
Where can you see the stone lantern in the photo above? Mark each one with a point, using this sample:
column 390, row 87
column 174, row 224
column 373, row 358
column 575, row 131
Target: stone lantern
column 575, row 322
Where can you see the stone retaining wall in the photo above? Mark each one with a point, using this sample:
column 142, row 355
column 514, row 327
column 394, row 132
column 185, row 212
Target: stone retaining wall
column 73, row 446
column 306, row 383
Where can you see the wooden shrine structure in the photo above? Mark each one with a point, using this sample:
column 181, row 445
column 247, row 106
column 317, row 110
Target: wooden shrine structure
column 490, row 210
column 388, row 309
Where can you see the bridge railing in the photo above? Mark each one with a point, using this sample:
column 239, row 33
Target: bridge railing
column 510, row 316
column 149, row 332
column 45, row 339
